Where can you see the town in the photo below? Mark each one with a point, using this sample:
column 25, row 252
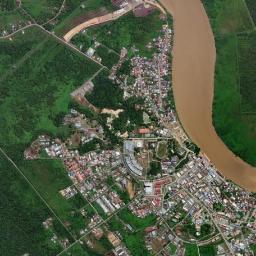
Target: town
column 153, row 182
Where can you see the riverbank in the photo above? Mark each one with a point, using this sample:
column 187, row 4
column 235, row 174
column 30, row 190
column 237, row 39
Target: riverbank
column 193, row 85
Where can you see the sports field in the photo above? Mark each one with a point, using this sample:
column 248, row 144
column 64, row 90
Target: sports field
column 234, row 109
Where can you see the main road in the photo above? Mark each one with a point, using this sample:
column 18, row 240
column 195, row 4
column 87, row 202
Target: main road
column 193, row 66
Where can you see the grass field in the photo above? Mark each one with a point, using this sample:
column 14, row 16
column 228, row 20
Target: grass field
column 228, row 16
column 134, row 241
column 172, row 249
column 234, row 77
column 208, row 250
column 80, row 250
column 49, row 177
column 75, row 250
column 247, row 67
column 161, row 149
column 136, row 222
column 191, row 250
column 37, row 75
column 229, row 122
column 42, row 10
column 21, row 215
column 100, row 246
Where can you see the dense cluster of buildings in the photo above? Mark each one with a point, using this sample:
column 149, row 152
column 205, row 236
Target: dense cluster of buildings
column 152, row 77
column 129, row 158
column 194, row 195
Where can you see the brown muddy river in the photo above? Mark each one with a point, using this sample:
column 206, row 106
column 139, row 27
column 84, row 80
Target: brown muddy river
column 193, row 83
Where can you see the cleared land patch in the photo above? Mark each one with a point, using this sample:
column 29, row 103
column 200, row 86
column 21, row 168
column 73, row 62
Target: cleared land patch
column 78, row 11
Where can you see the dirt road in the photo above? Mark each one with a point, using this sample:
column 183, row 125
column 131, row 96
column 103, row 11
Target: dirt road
column 193, row 82
column 99, row 20
column 109, row 17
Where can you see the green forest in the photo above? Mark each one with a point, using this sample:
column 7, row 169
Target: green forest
column 21, row 216
column 38, row 74
column 234, row 75
column 7, row 5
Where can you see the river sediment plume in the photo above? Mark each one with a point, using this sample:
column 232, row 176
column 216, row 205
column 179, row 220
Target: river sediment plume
column 193, row 84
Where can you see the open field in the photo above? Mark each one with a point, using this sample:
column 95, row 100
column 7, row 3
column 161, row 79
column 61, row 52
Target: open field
column 247, row 65
column 136, row 223
column 191, row 250
column 75, row 250
column 21, row 216
column 42, row 10
column 208, row 250
column 229, row 122
column 80, row 250
column 234, row 78
column 133, row 240
column 49, row 177
column 128, row 31
column 228, row 16
column 99, row 246
column 161, row 150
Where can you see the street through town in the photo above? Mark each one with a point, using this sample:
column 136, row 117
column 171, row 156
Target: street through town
column 193, row 84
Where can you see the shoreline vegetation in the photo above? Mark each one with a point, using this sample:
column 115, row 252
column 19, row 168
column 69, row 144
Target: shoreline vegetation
column 234, row 76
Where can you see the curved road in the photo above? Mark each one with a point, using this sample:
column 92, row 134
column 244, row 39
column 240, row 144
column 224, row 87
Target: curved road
column 193, row 84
